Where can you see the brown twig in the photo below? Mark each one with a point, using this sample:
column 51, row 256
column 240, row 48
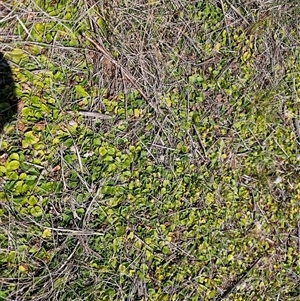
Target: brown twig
column 123, row 70
column 296, row 128
column 239, row 280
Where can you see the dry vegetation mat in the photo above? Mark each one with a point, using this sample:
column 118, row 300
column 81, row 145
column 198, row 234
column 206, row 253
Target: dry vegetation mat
column 149, row 150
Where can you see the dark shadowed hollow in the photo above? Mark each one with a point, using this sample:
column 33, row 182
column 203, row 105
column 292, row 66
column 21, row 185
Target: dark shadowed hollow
column 8, row 99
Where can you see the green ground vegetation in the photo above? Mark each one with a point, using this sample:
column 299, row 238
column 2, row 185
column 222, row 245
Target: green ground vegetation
column 165, row 167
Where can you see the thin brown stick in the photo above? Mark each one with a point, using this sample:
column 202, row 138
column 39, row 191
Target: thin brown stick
column 200, row 142
column 123, row 70
column 239, row 281
column 296, row 128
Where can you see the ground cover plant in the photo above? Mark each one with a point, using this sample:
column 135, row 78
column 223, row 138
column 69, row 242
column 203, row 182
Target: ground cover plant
column 152, row 152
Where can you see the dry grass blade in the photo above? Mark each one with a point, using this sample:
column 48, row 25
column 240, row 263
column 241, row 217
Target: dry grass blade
column 91, row 114
column 124, row 72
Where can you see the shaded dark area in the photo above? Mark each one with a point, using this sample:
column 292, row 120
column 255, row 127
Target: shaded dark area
column 8, row 99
